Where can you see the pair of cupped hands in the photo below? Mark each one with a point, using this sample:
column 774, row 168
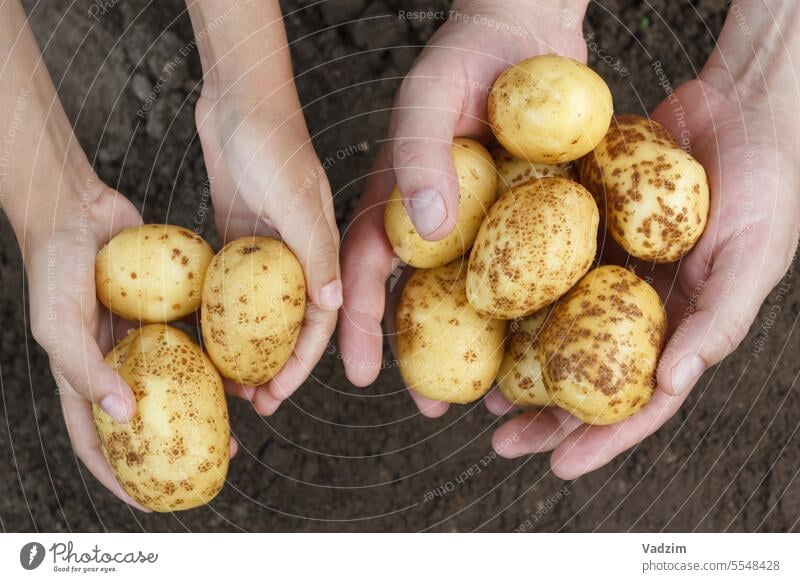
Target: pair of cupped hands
column 266, row 179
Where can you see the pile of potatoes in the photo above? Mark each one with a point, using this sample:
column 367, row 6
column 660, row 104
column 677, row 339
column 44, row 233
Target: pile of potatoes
column 511, row 294
column 174, row 453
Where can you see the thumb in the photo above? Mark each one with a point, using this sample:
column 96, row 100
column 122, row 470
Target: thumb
column 308, row 228
column 427, row 108
column 58, row 325
column 77, row 363
column 743, row 273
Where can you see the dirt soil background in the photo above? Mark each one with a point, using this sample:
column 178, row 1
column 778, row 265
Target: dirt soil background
column 337, row 458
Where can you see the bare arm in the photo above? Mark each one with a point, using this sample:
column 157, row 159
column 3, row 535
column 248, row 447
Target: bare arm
column 265, row 176
column 61, row 214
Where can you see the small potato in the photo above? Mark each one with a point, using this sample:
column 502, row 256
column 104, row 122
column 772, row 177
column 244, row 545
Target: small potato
column 446, row 350
column 653, row 194
column 536, row 242
column 254, row 301
column 511, row 171
column 477, row 182
column 173, row 454
column 549, row 109
column 600, row 346
column 152, row 273
column 520, row 375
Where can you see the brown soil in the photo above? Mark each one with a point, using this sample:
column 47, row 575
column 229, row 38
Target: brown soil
column 337, row 458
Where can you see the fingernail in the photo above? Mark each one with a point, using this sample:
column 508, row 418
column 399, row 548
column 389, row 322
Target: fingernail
column 330, row 296
column 686, row 373
column 115, row 407
column 427, row 211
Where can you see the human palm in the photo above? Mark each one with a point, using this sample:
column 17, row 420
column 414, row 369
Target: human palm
column 73, row 327
column 267, row 180
column 713, row 294
column 442, row 97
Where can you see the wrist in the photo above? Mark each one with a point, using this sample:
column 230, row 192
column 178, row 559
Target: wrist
column 69, row 206
column 46, row 191
column 233, row 111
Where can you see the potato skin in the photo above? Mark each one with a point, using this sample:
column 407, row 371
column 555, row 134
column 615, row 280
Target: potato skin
column 446, row 350
column 173, row 454
column 477, row 182
column 520, row 375
column 152, row 273
column 600, row 347
column 511, row 171
column 254, row 301
column 536, row 242
column 549, row 109
column 653, row 194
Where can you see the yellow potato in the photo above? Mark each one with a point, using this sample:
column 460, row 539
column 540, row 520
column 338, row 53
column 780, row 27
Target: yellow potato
column 600, row 346
column 536, row 242
column 549, row 109
column 446, row 350
column 152, row 273
column 477, row 182
column 653, row 194
column 254, row 301
column 520, row 375
column 173, row 454
column 511, row 171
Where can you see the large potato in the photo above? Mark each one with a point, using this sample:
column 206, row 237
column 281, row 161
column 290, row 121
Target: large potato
column 653, row 194
column 174, row 453
column 600, row 346
column 152, row 273
column 536, row 242
column 446, row 350
column 477, row 182
column 254, row 301
column 520, row 375
column 549, row 109
column 511, row 171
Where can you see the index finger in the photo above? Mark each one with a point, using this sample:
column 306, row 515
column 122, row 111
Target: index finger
column 367, row 262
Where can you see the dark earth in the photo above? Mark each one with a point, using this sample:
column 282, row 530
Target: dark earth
column 336, row 458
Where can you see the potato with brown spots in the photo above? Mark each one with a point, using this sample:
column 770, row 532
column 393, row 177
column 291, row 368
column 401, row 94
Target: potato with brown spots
column 477, row 183
column 446, row 350
column 536, row 242
column 152, row 273
column 254, row 300
column 173, row 454
column 511, row 171
column 653, row 194
column 600, row 346
column 520, row 375
column 549, row 109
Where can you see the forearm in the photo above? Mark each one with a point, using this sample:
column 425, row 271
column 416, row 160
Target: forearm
column 758, row 51
column 42, row 167
column 243, row 50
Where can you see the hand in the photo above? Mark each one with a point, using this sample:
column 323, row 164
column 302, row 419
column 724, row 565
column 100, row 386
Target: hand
column 266, row 179
column 713, row 295
column 443, row 96
column 62, row 214
column 69, row 322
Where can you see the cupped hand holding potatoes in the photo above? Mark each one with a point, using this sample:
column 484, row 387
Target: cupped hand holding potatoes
column 266, row 180
column 713, row 293
column 442, row 97
column 69, row 321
